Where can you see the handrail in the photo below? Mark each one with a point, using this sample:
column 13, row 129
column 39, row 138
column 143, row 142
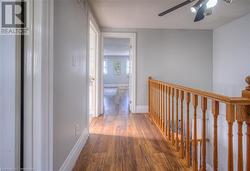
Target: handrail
column 166, row 109
column 207, row 94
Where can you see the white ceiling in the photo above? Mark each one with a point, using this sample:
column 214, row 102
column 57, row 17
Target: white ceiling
column 116, row 46
column 144, row 14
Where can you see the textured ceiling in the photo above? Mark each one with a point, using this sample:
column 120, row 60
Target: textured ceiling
column 144, row 14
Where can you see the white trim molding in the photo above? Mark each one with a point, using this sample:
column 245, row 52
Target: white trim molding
column 141, row 109
column 71, row 159
column 132, row 80
column 38, row 85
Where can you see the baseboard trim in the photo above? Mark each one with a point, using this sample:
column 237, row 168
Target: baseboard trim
column 141, row 109
column 70, row 161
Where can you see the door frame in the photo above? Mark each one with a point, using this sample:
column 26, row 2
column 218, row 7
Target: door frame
column 38, row 87
column 132, row 82
column 93, row 25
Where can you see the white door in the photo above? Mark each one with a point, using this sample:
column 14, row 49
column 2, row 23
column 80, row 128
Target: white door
column 92, row 71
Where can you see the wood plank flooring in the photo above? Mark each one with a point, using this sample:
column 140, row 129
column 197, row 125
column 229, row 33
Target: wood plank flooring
column 126, row 142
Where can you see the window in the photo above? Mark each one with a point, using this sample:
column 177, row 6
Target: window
column 127, row 67
column 105, row 67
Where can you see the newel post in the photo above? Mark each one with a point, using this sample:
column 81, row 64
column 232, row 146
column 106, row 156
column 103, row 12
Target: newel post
column 246, row 94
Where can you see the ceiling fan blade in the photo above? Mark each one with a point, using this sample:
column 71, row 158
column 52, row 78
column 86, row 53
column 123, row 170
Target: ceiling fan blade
column 176, row 7
column 200, row 13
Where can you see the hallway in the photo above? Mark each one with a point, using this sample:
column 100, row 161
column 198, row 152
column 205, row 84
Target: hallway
column 122, row 141
column 116, row 101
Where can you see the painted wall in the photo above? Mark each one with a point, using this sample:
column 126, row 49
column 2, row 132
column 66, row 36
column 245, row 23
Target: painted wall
column 112, row 77
column 8, row 101
column 70, row 77
column 231, row 61
column 231, row 64
column 177, row 56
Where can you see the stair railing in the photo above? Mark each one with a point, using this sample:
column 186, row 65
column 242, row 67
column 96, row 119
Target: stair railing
column 166, row 105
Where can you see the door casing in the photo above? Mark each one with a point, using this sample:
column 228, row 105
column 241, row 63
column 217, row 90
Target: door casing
column 132, row 79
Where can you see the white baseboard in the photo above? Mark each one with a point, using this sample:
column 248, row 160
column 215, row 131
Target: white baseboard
column 141, row 109
column 70, row 161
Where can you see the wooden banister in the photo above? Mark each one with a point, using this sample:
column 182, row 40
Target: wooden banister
column 164, row 108
column 210, row 95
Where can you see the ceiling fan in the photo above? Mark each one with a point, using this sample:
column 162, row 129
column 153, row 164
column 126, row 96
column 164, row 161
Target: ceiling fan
column 201, row 8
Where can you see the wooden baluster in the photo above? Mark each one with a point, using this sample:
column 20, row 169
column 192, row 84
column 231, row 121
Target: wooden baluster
column 162, row 104
column 215, row 109
column 164, row 109
column 172, row 125
column 169, row 133
column 230, row 120
column 149, row 95
column 188, row 131
column 246, row 94
column 194, row 149
column 176, row 125
column 153, row 100
column 154, row 96
column 204, row 109
column 159, row 105
column 162, row 120
column 155, row 103
column 240, row 117
column 182, row 127
column 248, row 143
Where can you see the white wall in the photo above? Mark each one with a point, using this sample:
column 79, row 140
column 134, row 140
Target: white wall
column 111, row 77
column 177, row 56
column 231, row 61
column 70, row 77
column 231, row 65
column 8, row 102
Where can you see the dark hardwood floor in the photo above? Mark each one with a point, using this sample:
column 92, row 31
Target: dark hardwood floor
column 127, row 142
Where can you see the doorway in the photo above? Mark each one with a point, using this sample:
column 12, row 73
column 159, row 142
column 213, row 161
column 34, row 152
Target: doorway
column 93, row 71
column 118, row 75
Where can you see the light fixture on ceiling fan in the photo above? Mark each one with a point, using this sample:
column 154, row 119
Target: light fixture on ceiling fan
column 201, row 8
